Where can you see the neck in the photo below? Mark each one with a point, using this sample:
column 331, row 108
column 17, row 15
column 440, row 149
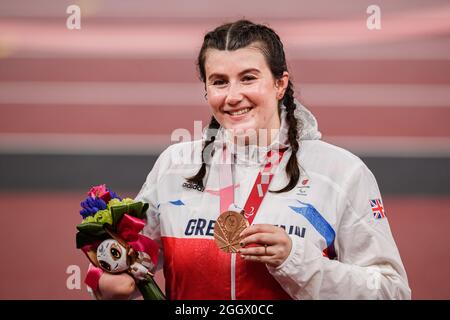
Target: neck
column 260, row 138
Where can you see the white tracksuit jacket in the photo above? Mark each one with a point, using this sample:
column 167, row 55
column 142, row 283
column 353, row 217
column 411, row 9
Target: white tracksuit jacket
column 340, row 250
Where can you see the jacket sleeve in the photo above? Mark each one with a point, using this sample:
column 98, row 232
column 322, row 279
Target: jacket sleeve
column 368, row 264
column 149, row 194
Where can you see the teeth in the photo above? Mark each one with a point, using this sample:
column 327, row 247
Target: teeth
column 242, row 111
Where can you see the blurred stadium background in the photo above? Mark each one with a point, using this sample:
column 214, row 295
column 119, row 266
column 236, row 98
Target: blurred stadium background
column 97, row 105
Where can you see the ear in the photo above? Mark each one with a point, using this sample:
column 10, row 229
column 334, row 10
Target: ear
column 92, row 256
column 281, row 85
column 116, row 237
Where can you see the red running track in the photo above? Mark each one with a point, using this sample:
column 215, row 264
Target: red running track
column 129, row 119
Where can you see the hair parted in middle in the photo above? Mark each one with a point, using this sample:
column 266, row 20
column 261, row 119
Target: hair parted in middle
column 238, row 35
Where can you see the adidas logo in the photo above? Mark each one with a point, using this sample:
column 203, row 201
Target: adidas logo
column 190, row 185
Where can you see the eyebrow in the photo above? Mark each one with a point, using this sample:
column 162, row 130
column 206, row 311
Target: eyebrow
column 240, row 73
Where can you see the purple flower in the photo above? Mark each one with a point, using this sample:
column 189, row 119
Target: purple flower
column 91, row 206
column 114, row 195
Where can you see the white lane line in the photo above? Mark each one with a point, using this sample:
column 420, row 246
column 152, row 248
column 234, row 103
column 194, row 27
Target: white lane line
column 192, row 94
column 115, row 144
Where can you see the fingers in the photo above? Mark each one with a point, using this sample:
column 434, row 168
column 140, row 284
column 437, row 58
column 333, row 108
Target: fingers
column 257, row 228
column 256, row 251
column 262, row 259
column 259, row 233
column 260, row 238
column 273, row 244
column 272, row 258
column 116, row 286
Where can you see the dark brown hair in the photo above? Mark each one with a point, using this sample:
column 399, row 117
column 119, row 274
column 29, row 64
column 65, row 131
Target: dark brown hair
column 237, row 35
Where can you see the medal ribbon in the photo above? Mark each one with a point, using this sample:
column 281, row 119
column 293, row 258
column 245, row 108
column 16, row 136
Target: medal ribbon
column 260, row 187
column 226, row 182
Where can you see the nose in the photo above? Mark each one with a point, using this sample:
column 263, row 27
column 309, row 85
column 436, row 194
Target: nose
column 234, row 94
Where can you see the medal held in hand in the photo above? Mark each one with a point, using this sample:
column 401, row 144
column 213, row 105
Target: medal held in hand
column 230, row 223
column 227, row 229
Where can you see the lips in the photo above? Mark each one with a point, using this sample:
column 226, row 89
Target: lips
column 239, row 112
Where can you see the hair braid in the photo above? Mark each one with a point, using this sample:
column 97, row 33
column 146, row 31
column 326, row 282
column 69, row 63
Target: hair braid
column 208, row 151
column 292, row 167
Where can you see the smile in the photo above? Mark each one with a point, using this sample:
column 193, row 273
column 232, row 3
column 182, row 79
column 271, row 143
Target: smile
column 239, row 112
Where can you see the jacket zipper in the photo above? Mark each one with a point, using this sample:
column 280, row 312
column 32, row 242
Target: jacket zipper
column 233, row 276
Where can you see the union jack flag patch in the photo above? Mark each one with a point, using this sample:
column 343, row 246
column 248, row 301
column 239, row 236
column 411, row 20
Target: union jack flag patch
column 377, row 208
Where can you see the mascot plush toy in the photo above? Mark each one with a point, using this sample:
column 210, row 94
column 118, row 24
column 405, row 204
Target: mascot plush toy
column 110, row 237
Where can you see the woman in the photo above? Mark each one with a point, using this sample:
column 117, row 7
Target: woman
column 319, row 233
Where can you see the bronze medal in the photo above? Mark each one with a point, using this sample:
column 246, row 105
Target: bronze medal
column 227, row 229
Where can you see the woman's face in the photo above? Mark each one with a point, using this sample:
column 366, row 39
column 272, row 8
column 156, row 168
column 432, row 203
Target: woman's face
column 242, row 92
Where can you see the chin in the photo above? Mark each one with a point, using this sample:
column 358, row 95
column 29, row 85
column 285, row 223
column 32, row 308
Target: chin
column 244, row 131
column 246, row 135
column 244, row 126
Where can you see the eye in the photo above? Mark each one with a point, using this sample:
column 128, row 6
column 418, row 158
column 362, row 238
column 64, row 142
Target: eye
column 115, row 252
column 105, row 265
column 248, row 78
column 218, row 82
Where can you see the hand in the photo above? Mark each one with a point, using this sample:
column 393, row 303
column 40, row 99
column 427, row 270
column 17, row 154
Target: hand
column 139, row 271
column 274, row 244
column 116, row 286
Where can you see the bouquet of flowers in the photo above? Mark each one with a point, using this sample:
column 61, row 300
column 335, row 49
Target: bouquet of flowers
column 110, row 237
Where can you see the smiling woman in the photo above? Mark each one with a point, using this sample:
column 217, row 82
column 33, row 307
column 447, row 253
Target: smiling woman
column 241, row 89
column 282, row 216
